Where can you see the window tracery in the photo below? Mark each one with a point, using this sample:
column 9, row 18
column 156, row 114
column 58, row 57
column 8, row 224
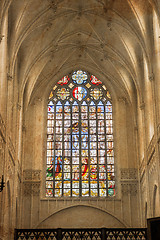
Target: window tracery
column 80, row 154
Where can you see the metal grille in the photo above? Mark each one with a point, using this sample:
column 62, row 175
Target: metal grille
column 86, row 234
column 35, row 234
column 126, row 234
column 82, row 234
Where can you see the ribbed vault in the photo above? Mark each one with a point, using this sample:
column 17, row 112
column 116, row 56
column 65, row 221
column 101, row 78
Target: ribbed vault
column 50, row 38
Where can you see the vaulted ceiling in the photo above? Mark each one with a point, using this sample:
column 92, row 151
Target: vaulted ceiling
column 49, row 38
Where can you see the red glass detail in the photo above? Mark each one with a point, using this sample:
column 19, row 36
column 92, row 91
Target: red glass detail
column 63, row 81
column 95, row 80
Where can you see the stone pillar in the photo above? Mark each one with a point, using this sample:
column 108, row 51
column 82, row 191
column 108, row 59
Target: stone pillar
column 3, row 118
column 122, row 132
column 31, row 192
column 149, row 105
column 156, row 89
column 3, row 68
column 130, row 199
column 2, row 157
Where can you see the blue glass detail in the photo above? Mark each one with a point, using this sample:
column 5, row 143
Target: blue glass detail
column 79, row 77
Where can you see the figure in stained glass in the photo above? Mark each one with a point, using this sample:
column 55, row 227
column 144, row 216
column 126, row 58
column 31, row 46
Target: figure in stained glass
column 49, row 172
column 58, row 165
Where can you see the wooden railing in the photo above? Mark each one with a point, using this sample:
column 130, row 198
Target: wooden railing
column 82, row 234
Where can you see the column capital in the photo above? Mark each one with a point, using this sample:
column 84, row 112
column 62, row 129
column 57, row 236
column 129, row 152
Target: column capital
column 1, row 37
column 122, row 100
column 19, row 106
column 9, row 77
column 142, row 106
column 151, row 77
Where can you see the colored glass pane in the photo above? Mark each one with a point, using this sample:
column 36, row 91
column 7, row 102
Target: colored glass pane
column 63, row 93
column 96, row 93
column 49, row 192
column 63, row 81
column 51, row 95
column 95, row 80
column 85, row 192
column 88, row 85
column 79, row 93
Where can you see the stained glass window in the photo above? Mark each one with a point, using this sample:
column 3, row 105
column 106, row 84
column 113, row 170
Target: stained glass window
column 80, row 146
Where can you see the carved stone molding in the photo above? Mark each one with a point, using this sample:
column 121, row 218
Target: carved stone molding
column 37, row 100
column 2, row 151
column 158, row 132
column 143, row 188
column 151, row 149
column 129, row 188
column 129, row 184
column 2, row 127
column 80, row 12
column 11, row 149
column 152, row 165
column 31, row 175
column 122, row 100
column 142, row 167
column 54, row 4
column 10, row 166
column 129, row 173
column 31, row 182
column 109, row 25
column 9, row 77
column 24, row 128
column 151, row 77
column 1, row 37
column 142, row 106
column 19, row 106
column 105, row 56
column 31, row 188
column 136, row 128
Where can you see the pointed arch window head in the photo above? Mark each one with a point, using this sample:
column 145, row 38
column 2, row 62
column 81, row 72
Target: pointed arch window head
column 80, row 153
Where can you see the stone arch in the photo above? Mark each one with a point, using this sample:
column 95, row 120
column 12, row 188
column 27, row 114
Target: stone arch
column 81, row 216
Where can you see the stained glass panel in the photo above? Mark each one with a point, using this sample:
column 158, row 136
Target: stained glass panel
column 63, row 93
column 79, row 93
column 96, row 93
column 95, row 80
column 80, row 146
column 79, row 77
column 63, row 81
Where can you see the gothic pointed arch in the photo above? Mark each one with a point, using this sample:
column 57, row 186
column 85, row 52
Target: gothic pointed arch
column 80, row 153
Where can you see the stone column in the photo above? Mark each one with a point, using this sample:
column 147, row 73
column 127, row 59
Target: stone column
column 130, row 200
column 122, row 132
column 3, row 68
column 156, row 88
